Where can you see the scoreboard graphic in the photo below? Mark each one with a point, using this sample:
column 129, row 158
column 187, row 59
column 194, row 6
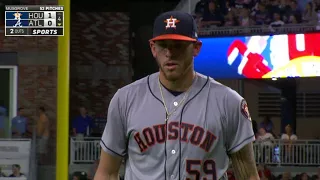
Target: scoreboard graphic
column 43, row 20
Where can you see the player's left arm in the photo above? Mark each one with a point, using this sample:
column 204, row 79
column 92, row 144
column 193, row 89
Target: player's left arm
column 239, row 137
column 244, row 164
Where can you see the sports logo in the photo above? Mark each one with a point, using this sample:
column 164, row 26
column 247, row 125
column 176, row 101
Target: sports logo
column 171, row 22
column 245, row 110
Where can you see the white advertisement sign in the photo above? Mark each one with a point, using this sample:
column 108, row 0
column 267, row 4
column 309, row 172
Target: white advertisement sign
column 14, row 152
column 15, row 149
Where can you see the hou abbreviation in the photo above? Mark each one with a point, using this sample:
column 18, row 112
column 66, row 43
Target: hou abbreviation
column 36, row 15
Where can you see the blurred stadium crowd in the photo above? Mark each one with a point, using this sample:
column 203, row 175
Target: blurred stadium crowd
column 275, row 13
column 266, row 174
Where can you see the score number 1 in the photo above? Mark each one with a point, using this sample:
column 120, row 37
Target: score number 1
column 208, row 168
column 50, row 17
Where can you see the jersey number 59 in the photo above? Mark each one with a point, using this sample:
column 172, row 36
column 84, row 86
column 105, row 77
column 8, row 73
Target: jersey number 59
column 208, row 169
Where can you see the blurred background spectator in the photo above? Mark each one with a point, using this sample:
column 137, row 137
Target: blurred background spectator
column 81, row 124
column 317, row 177
column 273, row 13
column 304, row 176
column 265, row 141
column 19, row 124
column 267, row 124
column 309, row 15
column 93, row 169
column 285, row 176
column 16, row 171
column 264, row 172
column 79, row 175
column 3, row 112
column 2, row 174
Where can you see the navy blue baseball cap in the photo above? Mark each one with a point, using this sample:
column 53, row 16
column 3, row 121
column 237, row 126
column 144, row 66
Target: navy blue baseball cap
column 175, row 25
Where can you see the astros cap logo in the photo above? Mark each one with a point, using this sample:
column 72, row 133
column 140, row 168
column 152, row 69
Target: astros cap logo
column 171, row 22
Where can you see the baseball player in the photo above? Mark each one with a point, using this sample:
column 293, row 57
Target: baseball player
column 177, row 124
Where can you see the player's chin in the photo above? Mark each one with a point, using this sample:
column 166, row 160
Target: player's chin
column 173, row 75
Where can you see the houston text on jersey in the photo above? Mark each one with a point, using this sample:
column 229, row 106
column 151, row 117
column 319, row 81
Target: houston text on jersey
column 190, row 133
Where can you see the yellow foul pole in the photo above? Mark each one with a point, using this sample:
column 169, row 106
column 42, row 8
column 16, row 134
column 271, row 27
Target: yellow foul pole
column 62, row 155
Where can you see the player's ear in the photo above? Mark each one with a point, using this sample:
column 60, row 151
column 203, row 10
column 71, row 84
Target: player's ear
column 153, row 48
column 196, row 48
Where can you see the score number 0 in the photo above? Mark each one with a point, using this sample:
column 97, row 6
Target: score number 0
column 208, row 167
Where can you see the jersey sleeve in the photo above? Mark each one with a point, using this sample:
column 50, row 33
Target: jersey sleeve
column 113, row 140
column 239, row 124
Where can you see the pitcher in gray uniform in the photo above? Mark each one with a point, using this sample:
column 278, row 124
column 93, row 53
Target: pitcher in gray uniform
column 177, row 124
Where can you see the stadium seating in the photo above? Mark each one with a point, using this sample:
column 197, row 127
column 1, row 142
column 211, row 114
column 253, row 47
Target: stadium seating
column 235, row 17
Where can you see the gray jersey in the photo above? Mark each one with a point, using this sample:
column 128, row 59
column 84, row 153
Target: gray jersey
column 193, row 144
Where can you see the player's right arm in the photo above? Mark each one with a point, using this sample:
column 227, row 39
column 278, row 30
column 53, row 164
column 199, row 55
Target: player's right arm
column 113, row 141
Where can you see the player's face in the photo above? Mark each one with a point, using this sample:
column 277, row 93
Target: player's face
column 175, row 58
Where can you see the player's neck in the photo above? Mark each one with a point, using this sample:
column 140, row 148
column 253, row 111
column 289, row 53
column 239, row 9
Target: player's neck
column 179, row 85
